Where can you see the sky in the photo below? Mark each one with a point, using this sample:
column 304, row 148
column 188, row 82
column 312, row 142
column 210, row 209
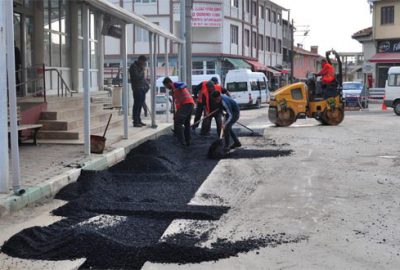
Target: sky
column 331, row 23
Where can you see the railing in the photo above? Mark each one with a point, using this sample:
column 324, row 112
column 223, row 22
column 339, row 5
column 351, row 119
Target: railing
column 33, row 75
column 376, row 93
column 64, row 86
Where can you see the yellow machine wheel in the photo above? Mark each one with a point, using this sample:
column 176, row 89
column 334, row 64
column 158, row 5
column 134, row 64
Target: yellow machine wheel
column 332, row 117
column 285, row 118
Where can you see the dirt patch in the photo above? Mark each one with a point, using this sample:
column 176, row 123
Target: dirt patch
column 115, row 218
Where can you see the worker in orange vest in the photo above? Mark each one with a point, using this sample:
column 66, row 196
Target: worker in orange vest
column 184, row 104
column 328, row 78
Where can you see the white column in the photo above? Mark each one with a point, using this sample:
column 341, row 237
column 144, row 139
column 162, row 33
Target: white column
column 16, row 173
column 125, row 93
column 152, row 43
column 86, row 78
column 166, row 74
column 183, row 37
column 100, row 47
column 4, row 166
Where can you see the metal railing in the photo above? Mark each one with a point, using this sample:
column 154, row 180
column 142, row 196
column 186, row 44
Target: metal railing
column 60, row 82
column 33, row 79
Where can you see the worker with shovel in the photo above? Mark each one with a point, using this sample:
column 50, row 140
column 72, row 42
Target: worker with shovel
column 232, row 115
column 184, row 104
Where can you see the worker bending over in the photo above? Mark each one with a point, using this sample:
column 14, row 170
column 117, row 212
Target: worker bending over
column 184, row 104
column 232, row 110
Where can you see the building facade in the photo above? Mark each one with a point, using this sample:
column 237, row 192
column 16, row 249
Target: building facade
column 225, row 34
column 306, row 62
column 364, row 36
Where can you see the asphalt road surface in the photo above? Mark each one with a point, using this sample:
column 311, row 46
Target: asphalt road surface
column 310, row 196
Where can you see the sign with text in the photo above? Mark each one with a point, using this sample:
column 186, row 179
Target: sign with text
column 389, row 46
column 204, row 14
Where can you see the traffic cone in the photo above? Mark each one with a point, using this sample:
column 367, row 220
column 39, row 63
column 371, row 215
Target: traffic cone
column 384, row 107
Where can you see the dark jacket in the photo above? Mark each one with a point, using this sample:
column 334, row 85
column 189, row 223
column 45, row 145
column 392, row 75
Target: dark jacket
column 138, row 81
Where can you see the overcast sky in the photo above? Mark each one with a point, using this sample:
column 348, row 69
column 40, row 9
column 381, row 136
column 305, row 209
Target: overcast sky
column 331, row 23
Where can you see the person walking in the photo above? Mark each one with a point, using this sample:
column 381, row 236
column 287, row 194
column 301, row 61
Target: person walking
column 184, row 104
column 139, row 89
column 232, row 110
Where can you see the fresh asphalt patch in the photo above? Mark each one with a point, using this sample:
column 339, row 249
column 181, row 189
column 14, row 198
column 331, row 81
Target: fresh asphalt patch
column 116, row 218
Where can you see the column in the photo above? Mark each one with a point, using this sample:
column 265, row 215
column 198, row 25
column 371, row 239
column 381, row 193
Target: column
column 125, row 93
column 86, row 78
column 76, row 55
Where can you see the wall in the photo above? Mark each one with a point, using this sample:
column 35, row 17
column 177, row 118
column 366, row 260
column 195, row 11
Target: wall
column 386, row 31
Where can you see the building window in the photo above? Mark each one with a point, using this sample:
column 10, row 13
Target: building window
column 260, row 42
column 141, row 35
column 203, row 67
column 279, row 46
column 197, row 68
column 273, row 41
column 268, row 14
column 145, row 1
column 235, row 3
column 254, row 39
column 268, row 44
column 261, row 12
column 247, row 37
column 273, row 16
column 387, row 15
column 234, row 34
column 279, row 18
column 248, row 6
column 254, row 8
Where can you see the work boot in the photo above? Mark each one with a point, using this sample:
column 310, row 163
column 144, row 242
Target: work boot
column 143, row 124
column 137, row 125
column 235, row 145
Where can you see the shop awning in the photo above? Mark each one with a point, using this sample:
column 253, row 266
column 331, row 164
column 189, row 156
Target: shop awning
column 273, row 71
column 385, row 58
column 257, row 66
column 238, row 63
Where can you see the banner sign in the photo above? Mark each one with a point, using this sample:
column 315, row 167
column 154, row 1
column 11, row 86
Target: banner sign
column 389, row 46
column 204, row 14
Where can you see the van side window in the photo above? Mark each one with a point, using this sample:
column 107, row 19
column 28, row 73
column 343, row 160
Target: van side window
column 263, row 84
column 237, row 87
column 254, row 86
column 394, row 80
column 297, row 94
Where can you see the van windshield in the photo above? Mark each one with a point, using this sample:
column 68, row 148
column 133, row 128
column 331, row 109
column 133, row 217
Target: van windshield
column 394, row 80
column 236, row 86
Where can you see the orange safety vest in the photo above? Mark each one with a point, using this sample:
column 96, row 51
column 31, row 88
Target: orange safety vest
column 328, row 73
column 204, row 92
column 181, row 97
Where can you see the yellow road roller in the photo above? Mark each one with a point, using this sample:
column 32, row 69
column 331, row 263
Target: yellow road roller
column 307, row 99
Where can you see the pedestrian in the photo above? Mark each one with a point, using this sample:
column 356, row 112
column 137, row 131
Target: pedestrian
column 328, row 78
column 232, row 110
column 139, row 88
column 184, row 104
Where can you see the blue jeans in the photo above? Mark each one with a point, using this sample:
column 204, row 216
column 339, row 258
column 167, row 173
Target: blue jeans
column 139, row 97
column 229, row 132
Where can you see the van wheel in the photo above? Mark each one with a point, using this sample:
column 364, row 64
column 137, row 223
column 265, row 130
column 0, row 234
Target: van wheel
column 258, row 103
column 396, row 108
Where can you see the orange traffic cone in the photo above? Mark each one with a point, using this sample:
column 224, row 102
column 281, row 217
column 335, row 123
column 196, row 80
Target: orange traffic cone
column 384, row 107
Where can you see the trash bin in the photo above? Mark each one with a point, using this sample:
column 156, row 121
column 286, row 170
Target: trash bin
column 117, row 96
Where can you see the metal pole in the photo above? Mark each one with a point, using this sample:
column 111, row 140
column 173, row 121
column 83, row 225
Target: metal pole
column 292, row 55
column 125, row 93
column 12, row 94
column 153, row 84
column 86, row 79
column 188, row 45
column 183, row 36
column 4, row 165
column 166, row 74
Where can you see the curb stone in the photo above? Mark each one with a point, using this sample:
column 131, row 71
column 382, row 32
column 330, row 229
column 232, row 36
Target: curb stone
column 50, row 188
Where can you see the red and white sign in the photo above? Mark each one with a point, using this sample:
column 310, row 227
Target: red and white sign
column 204, row 14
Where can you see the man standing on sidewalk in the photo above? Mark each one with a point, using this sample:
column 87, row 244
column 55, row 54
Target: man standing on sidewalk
column 184, row 104
column 139, row 89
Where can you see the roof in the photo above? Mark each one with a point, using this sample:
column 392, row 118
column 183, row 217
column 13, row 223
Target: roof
column 385, row 58
column 363, row 33
column 237, row 63
column 257, row 65
column 299, row 50
column 130, row 18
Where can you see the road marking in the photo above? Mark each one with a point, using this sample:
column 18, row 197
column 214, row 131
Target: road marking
column 389, row 157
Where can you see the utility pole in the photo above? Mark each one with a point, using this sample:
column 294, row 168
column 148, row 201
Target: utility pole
column 292, row 55
column 183, row 37
column 188, row 26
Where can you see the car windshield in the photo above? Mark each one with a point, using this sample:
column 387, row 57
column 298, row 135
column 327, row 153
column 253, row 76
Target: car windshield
column 160, row 99
column 352, row 86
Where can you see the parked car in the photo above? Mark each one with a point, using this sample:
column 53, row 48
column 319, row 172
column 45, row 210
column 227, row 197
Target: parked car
column 247, row 88
column 355, row 94
column 161, row 103
column 392, row 90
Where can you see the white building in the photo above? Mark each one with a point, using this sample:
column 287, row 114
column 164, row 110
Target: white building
column 225, row 34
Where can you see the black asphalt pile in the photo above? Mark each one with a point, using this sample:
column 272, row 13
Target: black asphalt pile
column 115, row 218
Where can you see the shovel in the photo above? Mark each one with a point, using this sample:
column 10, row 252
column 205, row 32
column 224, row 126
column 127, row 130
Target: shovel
column 216, row 150
column 205, row 117
column 97, row 143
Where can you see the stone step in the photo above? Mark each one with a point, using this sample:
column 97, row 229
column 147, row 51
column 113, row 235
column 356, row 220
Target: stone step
column 65, row 102
column 68, row 113
column 70, row 124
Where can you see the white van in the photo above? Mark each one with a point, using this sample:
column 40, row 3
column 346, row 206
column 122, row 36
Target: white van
column 247, row 88
column 196, row 79
column 392, row 90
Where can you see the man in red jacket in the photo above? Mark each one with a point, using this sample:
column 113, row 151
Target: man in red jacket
column 184, row 104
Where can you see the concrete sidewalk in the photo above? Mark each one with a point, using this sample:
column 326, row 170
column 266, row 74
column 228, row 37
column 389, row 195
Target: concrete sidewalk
column 45, row 169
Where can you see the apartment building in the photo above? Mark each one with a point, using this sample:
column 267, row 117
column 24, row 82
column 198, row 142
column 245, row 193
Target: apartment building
column 225, row 35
